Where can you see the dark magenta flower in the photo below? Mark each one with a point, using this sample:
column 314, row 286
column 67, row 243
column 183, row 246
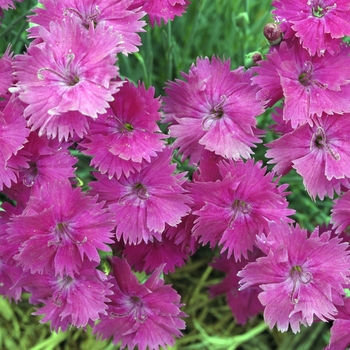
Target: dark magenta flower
column 144, row 202
column 76, row 300
column 6, row 70
column 113, row 13
column 127, row 134
column 319, row 24
column 319, row 153
column 214, row 109
column 310, row 85
column 59, row 228
column 64, row 81
column 142, row 315
column 232, row 211
column 302, row 276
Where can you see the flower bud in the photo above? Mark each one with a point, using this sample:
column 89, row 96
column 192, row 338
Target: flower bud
column 273, row 33
column 252, row 58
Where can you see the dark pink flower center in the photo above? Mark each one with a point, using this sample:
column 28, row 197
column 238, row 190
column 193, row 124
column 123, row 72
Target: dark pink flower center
column 138, row 191
column 65, row 74
column 134, row 306
column 30, row 174
column 116, row 125
column 239, row 207
column 62, row 283
column 215, row 113
column 298, row 276
column 88, row 18
column 306, row 74
column 319, row 141
column 63, row 233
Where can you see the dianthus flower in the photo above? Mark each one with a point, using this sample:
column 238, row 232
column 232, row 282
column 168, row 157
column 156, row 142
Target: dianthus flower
column 215, row 109
column 149, row 256
column 319, row 24
column 76, row 300
column 232, row 211
column 340, row 213
column 142, row 315
column 165, row 10
column 5, row 71
column 320, row 154
column 302, row 276
column 243, row 304
column 113, row 13
column 43, row 156
column 340, row 338
column 13, row 136
column 310, row 85
column 59, row 228
column 65, row 81
column 144, row 202
column 127, row 134
column 8, row 4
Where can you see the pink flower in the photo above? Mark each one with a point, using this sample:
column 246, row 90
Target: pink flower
column 310, row 85
column 76, row 300
column 59, row 228
column 164, row 9
column 142, row 315
column 8, row 4
column 144, row 202
column 214, row 109
column 340, row 213
column 127, row 134
column 301, row 277
column 340, row 338
column 65, row 81
column 113, row 13
column 149, row 256
column 320, row 154
column 232, row 211
column 319, row 24
column 5, row 70
column 43, row 156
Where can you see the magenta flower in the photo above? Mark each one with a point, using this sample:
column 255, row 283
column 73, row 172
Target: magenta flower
column 321, row 154
column 164, row 9
column 5, row 70
column 8, row 4
column 232, row 211
column 13, row 136
column 340, row 338
column 214, row 109
column 144, row 202
column 43, row 157
column 301, row 277
column 76, row 300
column 59, row 228
column 310, row 85
column 127, row 134
column 340, row 213
column 243, row 304
column 149, row 256
column 64, row 81
column 319, row 24
column 114, row 14
column 142, row 315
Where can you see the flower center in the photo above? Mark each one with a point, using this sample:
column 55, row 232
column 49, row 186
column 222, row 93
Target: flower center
column 319, row 141
column 63, row 233
column 319, row 9
column 139, row 191
column 306, row 74
column 66, row 75
column 215, row 113
column 135, row 307
column 239, row 207
column 87, row 19
column 298, row 276
column 30, row 174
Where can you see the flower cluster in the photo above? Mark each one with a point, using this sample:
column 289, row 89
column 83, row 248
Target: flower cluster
column 63, row 101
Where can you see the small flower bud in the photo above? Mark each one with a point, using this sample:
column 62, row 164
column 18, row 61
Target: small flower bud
column 252, row 58
column 273, row 33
